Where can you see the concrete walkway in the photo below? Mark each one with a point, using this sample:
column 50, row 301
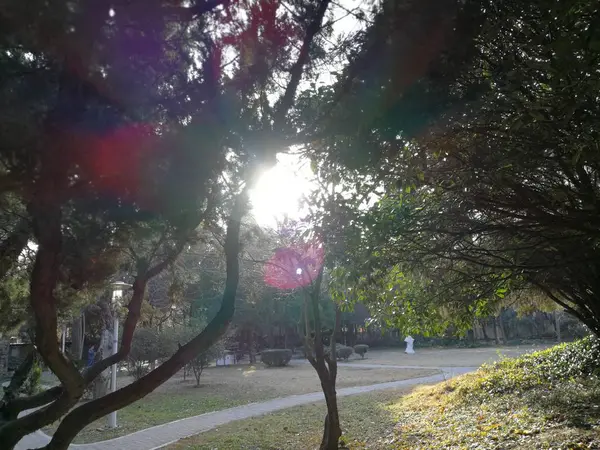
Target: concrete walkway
column 162, row 435
column 453, row 370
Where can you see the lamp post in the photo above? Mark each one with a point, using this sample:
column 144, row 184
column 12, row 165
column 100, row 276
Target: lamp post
column 117, row 294
column 63, row 339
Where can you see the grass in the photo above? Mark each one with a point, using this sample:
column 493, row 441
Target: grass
column 225, row 387
column 473, row 357
column 546, row 400
column 366, row 420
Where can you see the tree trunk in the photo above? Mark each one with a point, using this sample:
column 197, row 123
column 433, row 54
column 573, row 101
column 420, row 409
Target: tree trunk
column 325, row 365
column 501, row 329
column 557, row 326
column 77, row 337
column 102, row 383
column 483, row 329
column 271, row 337
column 497, row 330
column 331, row 428
column 197, row 368
column 251, row 352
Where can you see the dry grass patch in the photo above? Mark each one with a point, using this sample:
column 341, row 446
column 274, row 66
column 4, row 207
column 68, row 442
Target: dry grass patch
column 547, row 400
column 225, row 387
column 366, row 422
column 450, row 357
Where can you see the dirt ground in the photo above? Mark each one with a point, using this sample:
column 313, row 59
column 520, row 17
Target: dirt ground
column 446, row 357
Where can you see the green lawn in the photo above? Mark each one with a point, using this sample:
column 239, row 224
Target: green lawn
column 154, row 410
column 366, row 419
column 548, row 400
column 225, row 387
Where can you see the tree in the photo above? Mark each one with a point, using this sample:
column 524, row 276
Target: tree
column 145, row 349
column 301, row 266
column 123, row 134
column 481, row 166
column 183, row 334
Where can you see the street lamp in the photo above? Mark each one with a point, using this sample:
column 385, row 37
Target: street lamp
column 117, row 294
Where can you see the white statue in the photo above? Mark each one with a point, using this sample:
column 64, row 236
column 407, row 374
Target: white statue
column 409, row 345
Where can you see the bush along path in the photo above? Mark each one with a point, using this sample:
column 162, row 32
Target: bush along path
column 161, row 435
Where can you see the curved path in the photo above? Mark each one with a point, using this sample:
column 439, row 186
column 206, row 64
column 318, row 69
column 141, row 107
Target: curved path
column 161, row 435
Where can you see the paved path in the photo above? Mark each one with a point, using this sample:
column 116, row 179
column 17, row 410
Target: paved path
column 162, row 435
column 452, row 370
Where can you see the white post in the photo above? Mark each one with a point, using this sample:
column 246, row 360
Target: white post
column 112, row 417
column 63, row 339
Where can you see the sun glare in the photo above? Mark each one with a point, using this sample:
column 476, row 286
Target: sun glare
column 279, row 190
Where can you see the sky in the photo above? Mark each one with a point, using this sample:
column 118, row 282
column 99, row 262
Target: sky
column 280, row 189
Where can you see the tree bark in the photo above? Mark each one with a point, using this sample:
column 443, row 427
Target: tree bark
column 101, row 384
column 77, row 337
column 484, row 331
column 500, row 331
column 497, row 330
column 297, row 69
column 332, row 430
column 325, row 366
column 271, row 337
column 251, row 348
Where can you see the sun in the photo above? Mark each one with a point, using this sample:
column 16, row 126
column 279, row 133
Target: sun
column 279, row 190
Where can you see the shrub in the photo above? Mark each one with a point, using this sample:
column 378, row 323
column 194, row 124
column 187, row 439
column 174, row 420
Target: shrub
column 277, row 357
column 137, row 368
column 145, row 348
column 572, row 361
column 361, row 349
column 344, row 352
column 201, row 361
column 341, row 352
column 33, row 382
column 198, row 364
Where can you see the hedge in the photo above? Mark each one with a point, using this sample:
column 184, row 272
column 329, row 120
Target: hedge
column 361, row 349
column 277, row 357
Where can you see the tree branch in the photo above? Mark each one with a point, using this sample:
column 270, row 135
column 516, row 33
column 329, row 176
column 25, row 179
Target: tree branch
column 23, row 403
column 133, row 314
column 296, row 71
column 194, row 11
column 85, row 414
column 332, row 363
column 44, row 279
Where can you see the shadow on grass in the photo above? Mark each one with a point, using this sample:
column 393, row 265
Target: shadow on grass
column 575, row 404
column 367, row 421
